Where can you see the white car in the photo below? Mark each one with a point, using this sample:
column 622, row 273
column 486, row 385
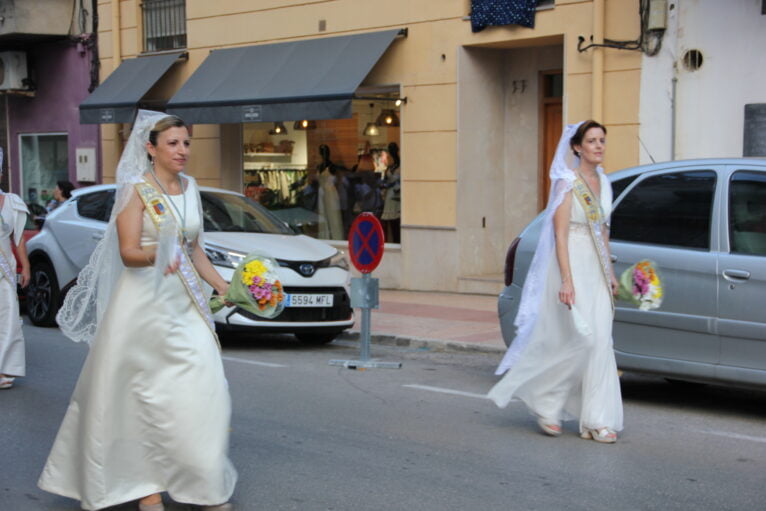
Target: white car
column 314, row 274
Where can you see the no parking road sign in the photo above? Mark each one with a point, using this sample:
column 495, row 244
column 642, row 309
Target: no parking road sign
column 365, row 242
column 365, row 245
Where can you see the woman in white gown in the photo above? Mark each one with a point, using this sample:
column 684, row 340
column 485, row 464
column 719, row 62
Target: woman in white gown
column 151, row 409
column 563, row 366
column 13, row 216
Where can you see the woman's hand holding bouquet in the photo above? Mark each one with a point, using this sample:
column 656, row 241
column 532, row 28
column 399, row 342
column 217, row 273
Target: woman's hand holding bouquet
column 640, row 284
column 255, row 287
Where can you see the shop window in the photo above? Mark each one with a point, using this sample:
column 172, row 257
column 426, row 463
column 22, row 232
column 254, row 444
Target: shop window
column 44, row 161
column 318, row 179
column 164, row 24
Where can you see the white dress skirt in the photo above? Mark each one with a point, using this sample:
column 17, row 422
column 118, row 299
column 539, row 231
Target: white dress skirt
column 151, row 410
column 562, row 374
column 12, row 358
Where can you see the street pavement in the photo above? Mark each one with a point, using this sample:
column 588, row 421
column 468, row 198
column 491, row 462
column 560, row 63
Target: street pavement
column 310, row 436
column 450, row 321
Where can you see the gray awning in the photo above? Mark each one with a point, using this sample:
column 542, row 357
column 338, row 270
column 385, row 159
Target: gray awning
column 311, row 79
column 116, row 100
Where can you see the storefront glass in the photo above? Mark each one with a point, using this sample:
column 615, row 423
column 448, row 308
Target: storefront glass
column 318, row 176
column 44, row 161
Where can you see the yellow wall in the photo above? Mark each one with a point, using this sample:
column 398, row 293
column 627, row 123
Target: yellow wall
column 424, row 64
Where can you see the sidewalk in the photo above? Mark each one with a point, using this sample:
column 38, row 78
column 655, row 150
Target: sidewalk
column 439, row 321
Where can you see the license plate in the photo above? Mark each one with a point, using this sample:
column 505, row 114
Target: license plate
column 302, row 300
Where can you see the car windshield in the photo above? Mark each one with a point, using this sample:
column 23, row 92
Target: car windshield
column 226, row 212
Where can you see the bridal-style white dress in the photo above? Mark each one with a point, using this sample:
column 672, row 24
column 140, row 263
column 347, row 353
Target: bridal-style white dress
column 151, row 410
column 14, row 215
column 563, row 374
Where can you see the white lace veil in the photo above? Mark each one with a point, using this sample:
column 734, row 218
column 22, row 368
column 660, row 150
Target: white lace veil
column 562, row 176
column 86, row 302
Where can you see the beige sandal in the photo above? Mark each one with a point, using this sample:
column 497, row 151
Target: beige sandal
column 549, row 427
column 602, row 435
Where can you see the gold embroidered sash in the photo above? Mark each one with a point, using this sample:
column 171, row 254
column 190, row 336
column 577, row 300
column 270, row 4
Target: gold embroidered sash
column 160, row 213
column 5, row 268
column 596, row 220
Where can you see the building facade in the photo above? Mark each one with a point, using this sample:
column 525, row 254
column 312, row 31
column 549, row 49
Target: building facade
column 479, row 117
column 48, row 66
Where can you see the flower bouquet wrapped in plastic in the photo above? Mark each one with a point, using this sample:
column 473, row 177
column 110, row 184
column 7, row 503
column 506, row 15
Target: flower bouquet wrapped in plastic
column 640, row 284
column 255, row 287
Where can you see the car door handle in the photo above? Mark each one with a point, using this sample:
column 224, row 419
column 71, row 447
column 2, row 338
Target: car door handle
column 97, row 235
column 736, row 274
column 613, row 258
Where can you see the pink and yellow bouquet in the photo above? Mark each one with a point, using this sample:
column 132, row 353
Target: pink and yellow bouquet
column 640, row 284
column 255, row 287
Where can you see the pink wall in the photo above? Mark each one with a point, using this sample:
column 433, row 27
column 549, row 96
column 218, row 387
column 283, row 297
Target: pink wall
column 62, row 76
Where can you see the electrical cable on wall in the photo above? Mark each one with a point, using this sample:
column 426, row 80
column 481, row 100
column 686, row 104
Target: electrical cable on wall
column 649, row 40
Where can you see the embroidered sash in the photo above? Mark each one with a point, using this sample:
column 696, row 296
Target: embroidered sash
column 158, row 210
column 5, row 268
column 596, row 220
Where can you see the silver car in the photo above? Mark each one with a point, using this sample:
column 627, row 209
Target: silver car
column 704, row 223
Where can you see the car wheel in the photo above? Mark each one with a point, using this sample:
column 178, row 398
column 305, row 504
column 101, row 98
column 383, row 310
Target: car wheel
column 43, row 295
column 317, row 339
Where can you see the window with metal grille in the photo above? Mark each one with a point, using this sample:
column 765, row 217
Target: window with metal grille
column 164, row 24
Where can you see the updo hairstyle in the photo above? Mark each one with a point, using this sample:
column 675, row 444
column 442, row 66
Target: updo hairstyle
column 171, row 121
column 580, row 133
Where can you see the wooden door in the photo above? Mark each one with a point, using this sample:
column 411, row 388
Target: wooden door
column 551, row 89
column 551, row 133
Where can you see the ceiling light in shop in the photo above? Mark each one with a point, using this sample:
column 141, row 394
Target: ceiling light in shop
column 278, row 129
column 371, row 130
column 305, row 125
column 387, row 118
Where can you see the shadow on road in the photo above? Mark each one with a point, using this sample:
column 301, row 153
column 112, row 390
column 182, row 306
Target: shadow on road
column 693, row 396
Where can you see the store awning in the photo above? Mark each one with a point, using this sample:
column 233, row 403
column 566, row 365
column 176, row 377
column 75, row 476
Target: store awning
column 311, row 79
column 116, row 100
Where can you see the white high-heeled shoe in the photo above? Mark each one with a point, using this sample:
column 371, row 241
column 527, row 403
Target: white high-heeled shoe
column 600, row 435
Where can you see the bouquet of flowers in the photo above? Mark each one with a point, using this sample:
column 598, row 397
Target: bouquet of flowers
column 255, row 287
column 640, row 284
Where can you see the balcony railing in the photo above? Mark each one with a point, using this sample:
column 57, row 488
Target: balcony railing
column 164, row 24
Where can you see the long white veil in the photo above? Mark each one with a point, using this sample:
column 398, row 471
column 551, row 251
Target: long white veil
column 562, row 176
column 86, row 302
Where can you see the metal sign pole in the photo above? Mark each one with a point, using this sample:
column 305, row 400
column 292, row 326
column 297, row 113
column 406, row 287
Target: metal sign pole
column 364, row 355
column 364, row 294
column 365, row 246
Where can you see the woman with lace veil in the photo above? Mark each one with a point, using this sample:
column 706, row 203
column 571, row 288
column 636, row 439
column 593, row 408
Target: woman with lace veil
column 13, row 216
column 561, row 362
column 151, row 410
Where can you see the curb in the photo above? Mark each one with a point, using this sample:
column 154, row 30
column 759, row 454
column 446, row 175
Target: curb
column 439, row 345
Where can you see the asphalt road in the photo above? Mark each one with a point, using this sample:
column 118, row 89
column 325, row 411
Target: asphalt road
column 310, row 436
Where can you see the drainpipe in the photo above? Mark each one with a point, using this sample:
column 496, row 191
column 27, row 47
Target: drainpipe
column 116, row 61
column 597, row 91
column 673, row 119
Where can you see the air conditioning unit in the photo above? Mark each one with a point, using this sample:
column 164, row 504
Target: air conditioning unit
column 13, row 69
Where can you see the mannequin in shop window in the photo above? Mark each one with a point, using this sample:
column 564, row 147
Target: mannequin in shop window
column 392, row 199
column 255, row 189
column 364, row 184
column 330, row 216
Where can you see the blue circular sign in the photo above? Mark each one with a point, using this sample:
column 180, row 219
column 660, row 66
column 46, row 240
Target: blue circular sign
column 365, row 242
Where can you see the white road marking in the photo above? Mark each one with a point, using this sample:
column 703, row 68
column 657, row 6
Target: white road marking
column 252, row 362
column 736, row 436
column 446, row 391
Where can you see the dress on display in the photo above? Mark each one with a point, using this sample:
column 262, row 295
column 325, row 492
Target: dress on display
column 567, row 371
column 151, row 409
column 392, row 204
column 14, row 216
column 330, row 219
